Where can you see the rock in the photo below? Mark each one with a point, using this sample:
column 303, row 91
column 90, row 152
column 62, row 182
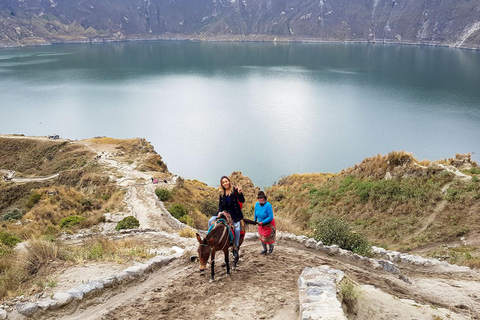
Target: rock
column 250, row 236
column 389, row 266
column 3, row 314
column 177, row 249
column 123, row 276
column 108, row 282
column 333, row 249
column 311, row 243
column 86, row 288
column 320, row 246
column 77, row 294
column 62, row 298
column 47, row 304
column 26, row 308
column 302, row 239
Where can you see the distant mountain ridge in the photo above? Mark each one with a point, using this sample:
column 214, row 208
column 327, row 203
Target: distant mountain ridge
column 435, row 22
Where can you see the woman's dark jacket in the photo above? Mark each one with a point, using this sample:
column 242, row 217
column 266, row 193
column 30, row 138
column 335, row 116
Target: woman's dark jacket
column 232, row 206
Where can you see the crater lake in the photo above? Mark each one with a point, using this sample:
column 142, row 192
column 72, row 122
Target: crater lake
column 266, row 109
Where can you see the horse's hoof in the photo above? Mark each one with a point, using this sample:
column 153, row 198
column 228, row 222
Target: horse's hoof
column 210, row 281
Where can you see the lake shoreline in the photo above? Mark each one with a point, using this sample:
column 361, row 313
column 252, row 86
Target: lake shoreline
column 240, row 39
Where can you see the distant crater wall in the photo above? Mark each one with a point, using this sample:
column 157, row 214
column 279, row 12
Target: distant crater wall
column 448, row 22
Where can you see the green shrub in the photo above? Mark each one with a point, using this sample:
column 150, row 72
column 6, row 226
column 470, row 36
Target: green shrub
column 12, row 214
column 209, row 207
column 162, row 194
column 9, row 239
column 177, row 210
column 334, row 230
column 71, row 221
column 33, row 200
column 129, row 222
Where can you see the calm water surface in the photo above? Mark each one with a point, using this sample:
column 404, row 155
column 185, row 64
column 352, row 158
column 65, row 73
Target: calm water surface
column 265, row 109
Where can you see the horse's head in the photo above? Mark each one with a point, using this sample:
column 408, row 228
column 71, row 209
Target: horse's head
column 204, row 250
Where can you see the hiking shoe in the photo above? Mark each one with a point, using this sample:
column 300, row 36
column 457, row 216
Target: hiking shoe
column 263, row 252
column 270, row 250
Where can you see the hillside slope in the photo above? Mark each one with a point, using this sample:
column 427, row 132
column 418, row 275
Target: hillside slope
column 451, row 22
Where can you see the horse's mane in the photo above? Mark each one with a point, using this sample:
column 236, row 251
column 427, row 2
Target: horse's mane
column 217, row 231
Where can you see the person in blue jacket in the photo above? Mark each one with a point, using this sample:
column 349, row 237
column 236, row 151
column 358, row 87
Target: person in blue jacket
column 266, row 222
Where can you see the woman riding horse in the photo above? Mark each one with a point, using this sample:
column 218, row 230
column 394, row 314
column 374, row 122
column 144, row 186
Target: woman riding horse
column 218, row 238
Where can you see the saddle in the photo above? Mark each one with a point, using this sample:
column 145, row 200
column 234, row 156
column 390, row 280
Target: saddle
column 229, row 222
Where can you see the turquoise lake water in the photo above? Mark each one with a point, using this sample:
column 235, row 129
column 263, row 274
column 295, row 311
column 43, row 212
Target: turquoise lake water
column 265, row 109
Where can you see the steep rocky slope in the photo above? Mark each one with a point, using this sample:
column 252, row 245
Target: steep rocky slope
column 448, row 22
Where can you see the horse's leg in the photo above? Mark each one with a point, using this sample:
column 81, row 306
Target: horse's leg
column 212, row 258
column 236, row 256
column 227, row 260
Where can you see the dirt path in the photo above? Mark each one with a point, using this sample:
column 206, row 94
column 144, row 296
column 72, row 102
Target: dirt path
column 265, row 287
column 140, row 198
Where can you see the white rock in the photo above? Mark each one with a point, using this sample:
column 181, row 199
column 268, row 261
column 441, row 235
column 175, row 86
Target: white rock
column 333, row 249
column 86, row 288
column 302, row 239
column 75, row 293
column 3, row 314
column 311, row 243
column 62, row 298
column 177, row 249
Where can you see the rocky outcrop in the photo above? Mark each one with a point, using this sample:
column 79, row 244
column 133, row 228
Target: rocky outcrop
column 451, row 23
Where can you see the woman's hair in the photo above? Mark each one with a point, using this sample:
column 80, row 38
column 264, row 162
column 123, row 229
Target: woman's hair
column 222, row 189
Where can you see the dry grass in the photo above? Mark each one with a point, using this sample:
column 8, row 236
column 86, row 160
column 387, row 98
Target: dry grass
column 187, row 233
column 30, row 157
column 349, row 292
column 105, row 249
column 38, row 254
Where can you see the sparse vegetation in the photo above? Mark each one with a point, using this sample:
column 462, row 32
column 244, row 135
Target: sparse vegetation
column 12, row 214
column 349, row 293
column 162, row 194
column 129, row 222
column 39, row 254
column 71, row 221
column 334, row 230
column 104, row 249
column 187, row 233
column 8, row 239
column 178, row 211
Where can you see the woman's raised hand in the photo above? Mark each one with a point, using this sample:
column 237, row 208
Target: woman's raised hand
column 239, row 188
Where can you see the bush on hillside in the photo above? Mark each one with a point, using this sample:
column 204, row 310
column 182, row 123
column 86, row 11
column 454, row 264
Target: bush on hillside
column 12, row 214
column 209, row 207
column 9, row 239
column 162, row 194
column 33, row 200
column 71, row 221
column 178, row 211
column 129, row 222
column 334, row 230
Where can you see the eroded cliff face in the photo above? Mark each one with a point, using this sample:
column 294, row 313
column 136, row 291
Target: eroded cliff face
column 439, row 22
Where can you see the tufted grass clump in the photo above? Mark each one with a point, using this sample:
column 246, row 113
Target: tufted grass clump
column 349, row 293
column 334, row 230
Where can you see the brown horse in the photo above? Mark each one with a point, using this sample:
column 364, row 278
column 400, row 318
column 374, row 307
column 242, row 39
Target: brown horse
column 218, row 239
